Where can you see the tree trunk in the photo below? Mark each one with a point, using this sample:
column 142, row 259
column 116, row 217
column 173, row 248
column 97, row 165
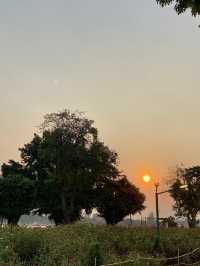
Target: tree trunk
column 71, row 212
column 13, row 221
column 66, row 218
column 57, row 217
column 1, row 220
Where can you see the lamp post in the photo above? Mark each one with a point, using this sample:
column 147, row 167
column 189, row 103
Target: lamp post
column 157, row 240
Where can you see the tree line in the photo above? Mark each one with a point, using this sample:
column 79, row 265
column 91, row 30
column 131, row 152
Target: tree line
column 64, row 170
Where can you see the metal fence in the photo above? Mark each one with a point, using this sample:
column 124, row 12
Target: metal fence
column 188, row 259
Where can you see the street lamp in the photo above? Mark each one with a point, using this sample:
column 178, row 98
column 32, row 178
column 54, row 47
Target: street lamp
column 157, row 241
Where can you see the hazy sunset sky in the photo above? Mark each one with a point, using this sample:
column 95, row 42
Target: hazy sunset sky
column 132, row 66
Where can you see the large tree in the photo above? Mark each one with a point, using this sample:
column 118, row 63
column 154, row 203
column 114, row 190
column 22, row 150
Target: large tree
column 70, row 166
column 117, row 199
column 181, row 6
column 68, row 163
column 187, row 201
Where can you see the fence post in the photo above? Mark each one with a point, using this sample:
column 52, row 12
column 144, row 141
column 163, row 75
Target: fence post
column 137, row 259
column 178, row 257
column 95, row 261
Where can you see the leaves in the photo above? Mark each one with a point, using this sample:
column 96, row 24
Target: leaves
column 71, row 170
column 119, row 198
column 17, row 195
column 187, row 201
column 181, row 6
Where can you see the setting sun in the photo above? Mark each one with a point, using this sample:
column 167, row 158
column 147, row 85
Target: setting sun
column 146, row 178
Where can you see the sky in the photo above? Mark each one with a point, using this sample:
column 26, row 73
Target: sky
column 130, row 65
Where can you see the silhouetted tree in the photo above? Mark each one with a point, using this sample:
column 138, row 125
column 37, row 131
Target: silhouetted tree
column 17, row 195
column 76, row 161
column 68, row 163
column 181, row 6
column 71, row 170
column 117, row 199
column 187, row 201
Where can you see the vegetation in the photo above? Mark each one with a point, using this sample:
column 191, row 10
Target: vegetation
column 17, row 194
column 117, row 199
column 187, row 201
column 94, row 256
column 181, row 6
column 170, row 222
column 64, row 170
column 78, row 244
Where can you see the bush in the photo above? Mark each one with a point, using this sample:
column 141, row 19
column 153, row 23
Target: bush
column 94, row 257
column 121, row 245
column 27, row 245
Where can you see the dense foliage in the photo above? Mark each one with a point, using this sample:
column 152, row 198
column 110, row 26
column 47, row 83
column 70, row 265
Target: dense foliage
column 182, row 5
column 118, row 199
column 187, row 201
column 70, row 169
column 17, row 195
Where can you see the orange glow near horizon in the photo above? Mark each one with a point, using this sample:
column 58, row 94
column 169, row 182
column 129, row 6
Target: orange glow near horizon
column 146, row 178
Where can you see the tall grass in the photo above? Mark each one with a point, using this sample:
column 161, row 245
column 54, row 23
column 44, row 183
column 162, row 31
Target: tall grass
column 70, row 245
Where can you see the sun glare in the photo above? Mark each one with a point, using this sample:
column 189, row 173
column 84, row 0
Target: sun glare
column 146, row 178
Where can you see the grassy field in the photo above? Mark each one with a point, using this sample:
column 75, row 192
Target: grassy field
column 74, row 244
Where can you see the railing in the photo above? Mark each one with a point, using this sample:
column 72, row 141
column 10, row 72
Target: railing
column 173, row 261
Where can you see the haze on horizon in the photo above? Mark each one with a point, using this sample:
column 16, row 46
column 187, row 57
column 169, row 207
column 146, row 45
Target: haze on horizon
column 130, row 65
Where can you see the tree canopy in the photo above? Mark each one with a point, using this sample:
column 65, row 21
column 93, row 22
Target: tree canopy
column 68, row 160
column 181, row 6
column 119, row 199
column 69, row 166
column 17, row 195
column 187, row 201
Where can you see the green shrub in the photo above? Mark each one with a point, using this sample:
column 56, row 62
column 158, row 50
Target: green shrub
column 94, row 257
column 121, row 245
column 7, row 255
column 27, row 245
